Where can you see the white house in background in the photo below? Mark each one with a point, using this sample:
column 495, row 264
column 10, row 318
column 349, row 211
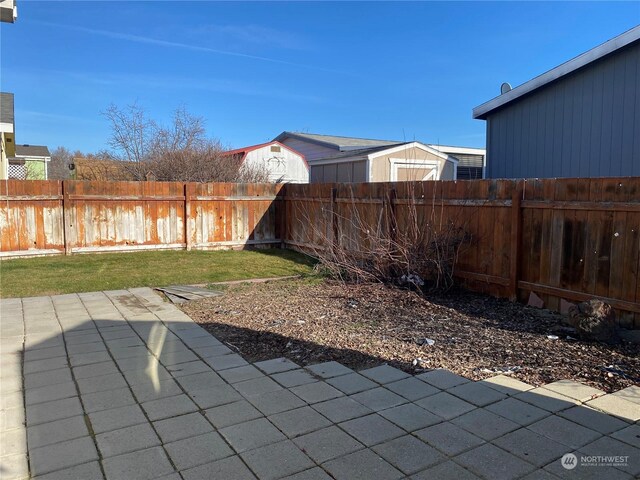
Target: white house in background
column 283, row 163
column 334, row 158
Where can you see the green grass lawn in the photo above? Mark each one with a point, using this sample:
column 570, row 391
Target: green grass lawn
column 27, row 277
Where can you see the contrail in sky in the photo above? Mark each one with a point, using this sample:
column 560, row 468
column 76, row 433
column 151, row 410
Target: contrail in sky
column 166, row 43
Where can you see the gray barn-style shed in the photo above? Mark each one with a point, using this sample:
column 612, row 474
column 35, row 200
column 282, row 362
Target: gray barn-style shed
column 581, row 119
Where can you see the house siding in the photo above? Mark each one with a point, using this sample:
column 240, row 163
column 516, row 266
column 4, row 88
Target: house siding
column 311, row 151
column 291, row 169
column 586, row 124
column 316, row 174
column 345, row 172
column 29, row 169
column 470, row 166
column 36, row 169
column 448, row 171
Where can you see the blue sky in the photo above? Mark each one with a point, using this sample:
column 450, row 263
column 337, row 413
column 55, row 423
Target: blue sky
column 379, row 70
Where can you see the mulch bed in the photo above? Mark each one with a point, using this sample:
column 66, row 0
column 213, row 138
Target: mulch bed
column 367, row 325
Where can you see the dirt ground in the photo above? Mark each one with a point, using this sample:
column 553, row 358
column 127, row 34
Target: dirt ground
column 477, row 336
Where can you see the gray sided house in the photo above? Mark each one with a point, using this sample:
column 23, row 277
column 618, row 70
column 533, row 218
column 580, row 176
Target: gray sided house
column 334, row 158
column 581, row 119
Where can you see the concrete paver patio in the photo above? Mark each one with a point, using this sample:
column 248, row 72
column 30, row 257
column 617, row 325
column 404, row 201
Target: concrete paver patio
column 122, row 385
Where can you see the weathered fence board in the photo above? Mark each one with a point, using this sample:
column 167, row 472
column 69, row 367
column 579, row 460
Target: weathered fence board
column 114, row 216
column 570, row 239
column 51, row 217
column 233, row 215
column 31, row 219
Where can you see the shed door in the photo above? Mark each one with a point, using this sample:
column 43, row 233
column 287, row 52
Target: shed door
column 414, row 174
column 413, row 171
column 278, row 165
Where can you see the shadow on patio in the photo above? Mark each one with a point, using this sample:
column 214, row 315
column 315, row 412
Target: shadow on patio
column 121, row 385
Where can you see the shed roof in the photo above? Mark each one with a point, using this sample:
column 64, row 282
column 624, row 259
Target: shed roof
column 610, row 46
column 6, row 108
column 361, row 153
column 242, row 152
column 337, row 142
column 355, row 146
column 32, row 151
column 368, row 153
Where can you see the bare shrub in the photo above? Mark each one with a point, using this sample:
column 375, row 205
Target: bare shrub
column 405, row 242
column 100, row 166
column 206, row 163
column 61, row 160
column 179, row 152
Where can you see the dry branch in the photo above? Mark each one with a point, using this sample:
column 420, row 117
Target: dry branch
column 406, row 244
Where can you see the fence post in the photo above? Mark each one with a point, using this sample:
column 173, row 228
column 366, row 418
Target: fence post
column 66, row 218
column 392, row 219
column 516, row 239
column 282, row 208
column 334, row 217
column 187, row 216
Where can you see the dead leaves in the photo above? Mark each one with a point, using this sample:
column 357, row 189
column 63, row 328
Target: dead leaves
column 365, row 325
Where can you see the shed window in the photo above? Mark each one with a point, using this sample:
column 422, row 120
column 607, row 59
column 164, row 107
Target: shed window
column 275, row 148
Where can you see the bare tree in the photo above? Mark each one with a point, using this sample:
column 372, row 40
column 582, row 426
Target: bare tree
column 180, row 151
column 186, row 133
column 61, row 160
column 132, row 133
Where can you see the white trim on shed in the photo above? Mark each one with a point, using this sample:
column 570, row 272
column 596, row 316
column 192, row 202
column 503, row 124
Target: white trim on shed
column 407, row 163
column 406, row 146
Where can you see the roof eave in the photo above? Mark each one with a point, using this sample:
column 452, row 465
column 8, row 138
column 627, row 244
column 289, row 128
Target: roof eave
column 481, row 112
column 460, row 150
column 334, row 146
column 422, row 146
column 284, row 135
column 39, row 158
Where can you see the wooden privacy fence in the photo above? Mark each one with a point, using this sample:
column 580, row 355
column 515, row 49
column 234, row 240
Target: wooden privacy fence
column 571, row 239
column 53, row 217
